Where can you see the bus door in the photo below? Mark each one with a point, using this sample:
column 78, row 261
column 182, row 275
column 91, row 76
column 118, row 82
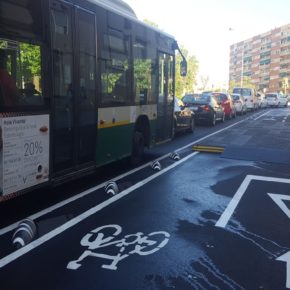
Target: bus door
column 74, row 87
column 165, row 98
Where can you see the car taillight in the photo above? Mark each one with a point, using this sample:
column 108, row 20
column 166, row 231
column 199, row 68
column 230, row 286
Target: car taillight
column 206, row 108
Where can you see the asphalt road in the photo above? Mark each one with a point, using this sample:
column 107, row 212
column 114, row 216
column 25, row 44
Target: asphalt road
column 207, row 221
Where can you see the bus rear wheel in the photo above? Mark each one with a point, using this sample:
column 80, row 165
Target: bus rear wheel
column 137, row 148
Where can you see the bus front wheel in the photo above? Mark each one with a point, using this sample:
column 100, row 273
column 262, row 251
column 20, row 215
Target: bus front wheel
column 138, row 148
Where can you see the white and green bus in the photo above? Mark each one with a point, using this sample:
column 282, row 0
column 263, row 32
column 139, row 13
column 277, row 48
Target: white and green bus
column 82, row 83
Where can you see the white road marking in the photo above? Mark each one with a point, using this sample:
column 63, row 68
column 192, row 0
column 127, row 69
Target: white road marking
column 286, row 258
column 93, row 189
column 74, row 198
column 262, row 115
column 223, row 220
column 207, row 136
column 225, row 217
column 278, row 199
column 144, row 245
column 13, row 256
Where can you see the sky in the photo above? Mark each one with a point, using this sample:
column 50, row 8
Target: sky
column 203, row 26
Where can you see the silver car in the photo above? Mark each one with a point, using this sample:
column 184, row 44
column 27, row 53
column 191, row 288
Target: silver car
column 239, row 103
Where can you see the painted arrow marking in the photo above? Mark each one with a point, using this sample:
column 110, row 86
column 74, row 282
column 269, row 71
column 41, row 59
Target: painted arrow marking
column 286, row 258
column 230, row 209
column 278, row 199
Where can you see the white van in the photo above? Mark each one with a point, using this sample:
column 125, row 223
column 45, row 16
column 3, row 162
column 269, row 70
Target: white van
column 249, row 96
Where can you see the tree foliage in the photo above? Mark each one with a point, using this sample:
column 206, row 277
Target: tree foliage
column 204, row 82
column 187, row 83
column 246, row 83
column 149, row 22
column 30, row 60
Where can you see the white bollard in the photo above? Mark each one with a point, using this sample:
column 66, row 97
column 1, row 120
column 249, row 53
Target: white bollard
column 24, row 233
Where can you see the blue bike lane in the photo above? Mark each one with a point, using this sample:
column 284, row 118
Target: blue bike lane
column 198, row 225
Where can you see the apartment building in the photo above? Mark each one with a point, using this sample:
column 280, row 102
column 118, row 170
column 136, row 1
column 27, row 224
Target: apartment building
column 263, row 60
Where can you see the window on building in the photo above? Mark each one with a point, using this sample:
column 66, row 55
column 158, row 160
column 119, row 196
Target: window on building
column 265, row 62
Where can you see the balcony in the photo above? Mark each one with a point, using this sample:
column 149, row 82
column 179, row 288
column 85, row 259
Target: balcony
column 284, row 60
column 265, row 62
column 285, row 52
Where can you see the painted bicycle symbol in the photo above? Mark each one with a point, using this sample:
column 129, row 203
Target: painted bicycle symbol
column 105, row 236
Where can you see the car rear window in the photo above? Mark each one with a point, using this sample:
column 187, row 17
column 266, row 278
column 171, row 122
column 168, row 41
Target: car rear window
column 235, row 97
column 221, row 97
column 242, row 91
column 271, row 96
column 191, row 98
column 188, row 98
column 202, row 99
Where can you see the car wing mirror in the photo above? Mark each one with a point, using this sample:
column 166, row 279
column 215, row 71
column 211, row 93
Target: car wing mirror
column 183, row 68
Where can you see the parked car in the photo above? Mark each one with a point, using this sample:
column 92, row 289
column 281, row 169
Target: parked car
column 273, row 99
column 283, row 100
column 227, row 103
column 189, row 98
column 183, row 118
column 262, row 101
column 207, row 93
column 207, row 109
column 249, row 96
column 239, row 103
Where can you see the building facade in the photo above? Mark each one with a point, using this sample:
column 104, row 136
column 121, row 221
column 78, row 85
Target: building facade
column 263, row 61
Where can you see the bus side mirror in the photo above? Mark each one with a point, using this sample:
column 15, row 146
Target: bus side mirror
column 183, row 68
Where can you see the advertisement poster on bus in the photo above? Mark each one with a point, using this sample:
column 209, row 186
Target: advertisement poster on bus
column 24, row 154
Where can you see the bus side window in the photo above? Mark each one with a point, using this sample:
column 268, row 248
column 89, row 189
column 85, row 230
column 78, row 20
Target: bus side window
column 145, row 67
column 7, row 82
column 116, row 71
column 31, row 96
column 20, row 75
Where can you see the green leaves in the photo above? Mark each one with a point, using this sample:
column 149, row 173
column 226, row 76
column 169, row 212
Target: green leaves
column 185, row 84
column 30, row 60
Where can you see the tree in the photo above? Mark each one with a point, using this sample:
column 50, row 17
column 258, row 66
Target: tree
column 204, row 82
column 30, row 61
column 187, row 83
column 147, row 21
column 247, row 83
